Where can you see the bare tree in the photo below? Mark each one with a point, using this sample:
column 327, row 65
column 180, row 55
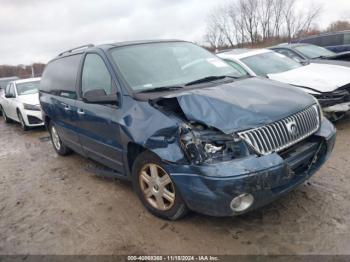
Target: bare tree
column 214, row 35
column 278, row 19
column 22, row 71
column 338, row 26
column 253, row 22
column 290, row 18
column 237, row 24
column 265, row 13
column 298, row 21
column 308, row 18
column 249, row 18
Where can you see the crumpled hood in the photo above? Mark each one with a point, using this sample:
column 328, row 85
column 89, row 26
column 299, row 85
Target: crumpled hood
column 32, row 99
column 242, row 104
column 320, row 77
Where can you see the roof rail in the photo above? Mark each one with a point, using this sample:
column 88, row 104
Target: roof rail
column 76, row 48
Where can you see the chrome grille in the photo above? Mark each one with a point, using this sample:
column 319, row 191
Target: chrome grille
column 283, row 133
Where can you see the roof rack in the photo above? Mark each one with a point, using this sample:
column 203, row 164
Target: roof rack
column 76, row 48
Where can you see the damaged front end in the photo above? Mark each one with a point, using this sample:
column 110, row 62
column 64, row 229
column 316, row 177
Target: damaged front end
column 227, row 177
column 334, row 104
column 230, row 174
column 207, row 145
column 239, row 155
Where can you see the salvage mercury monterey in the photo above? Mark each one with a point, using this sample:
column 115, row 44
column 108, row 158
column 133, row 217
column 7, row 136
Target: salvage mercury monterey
column 188, row 130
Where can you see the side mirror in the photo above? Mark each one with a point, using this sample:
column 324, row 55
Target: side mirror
column 9, row 96
column 99, row 96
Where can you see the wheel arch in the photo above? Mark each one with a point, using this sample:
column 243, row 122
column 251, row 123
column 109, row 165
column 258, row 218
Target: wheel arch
column 18, row 111
column 133, row 150
column 47, row 121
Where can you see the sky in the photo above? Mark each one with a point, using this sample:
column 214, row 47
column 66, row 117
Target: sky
column 37, row 30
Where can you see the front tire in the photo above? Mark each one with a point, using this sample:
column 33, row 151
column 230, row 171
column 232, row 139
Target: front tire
column 21, row 121
column 59, row 147
column 155, row 188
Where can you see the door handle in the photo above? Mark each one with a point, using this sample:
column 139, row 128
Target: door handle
column 81, row 112
column 66, row 107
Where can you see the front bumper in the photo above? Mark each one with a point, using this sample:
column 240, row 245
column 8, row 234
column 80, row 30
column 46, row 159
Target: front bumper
column 33, row 118
column 343, row 107
column 209, row 189
column 335, row 102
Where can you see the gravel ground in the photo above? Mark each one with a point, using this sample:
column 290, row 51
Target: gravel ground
column 52, row 205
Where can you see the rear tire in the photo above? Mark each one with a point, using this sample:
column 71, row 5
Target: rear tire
column 57, row 143
column 7, row 120
column 21, row 121
column 155, row 188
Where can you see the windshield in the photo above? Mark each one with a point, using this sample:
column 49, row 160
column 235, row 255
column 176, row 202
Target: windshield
column 155, row 65
column 314, row 51
column 27, row 88
column 270, row 63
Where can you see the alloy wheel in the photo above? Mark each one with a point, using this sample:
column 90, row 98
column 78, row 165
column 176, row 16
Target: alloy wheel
column 157, row 187
column 55, row 138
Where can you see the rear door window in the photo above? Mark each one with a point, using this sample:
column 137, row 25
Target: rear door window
column 59, row 77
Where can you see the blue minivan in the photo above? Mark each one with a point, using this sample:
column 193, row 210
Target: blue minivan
column 189, row 131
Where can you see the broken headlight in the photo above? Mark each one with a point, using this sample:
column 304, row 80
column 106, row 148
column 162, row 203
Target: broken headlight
column 203, row 145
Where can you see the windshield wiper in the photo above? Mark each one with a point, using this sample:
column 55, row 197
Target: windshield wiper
column 161, row 89
column 207, row 79
column 322, row 57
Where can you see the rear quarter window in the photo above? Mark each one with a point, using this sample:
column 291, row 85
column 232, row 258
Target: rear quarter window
column 60, row 75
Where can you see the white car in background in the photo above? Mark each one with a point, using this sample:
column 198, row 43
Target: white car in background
column 20, row 102
column 330, row 84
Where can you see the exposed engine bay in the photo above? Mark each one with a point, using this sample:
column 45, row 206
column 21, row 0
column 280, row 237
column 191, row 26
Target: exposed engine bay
column 201, row 143
column 207, row 145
